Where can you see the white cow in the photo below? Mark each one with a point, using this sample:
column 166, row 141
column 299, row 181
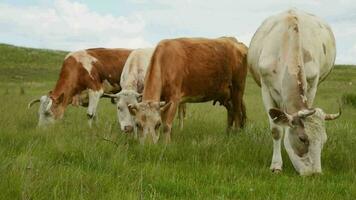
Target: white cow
column 132, row 83
column 289, row 55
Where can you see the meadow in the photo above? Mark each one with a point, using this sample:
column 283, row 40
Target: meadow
column 71, row 161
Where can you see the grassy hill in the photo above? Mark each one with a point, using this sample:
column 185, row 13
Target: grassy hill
column 26, row 64
column 71, row 161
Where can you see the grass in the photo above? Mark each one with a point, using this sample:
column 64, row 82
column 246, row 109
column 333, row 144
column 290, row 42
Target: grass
column 349, row 99
column 71, row 161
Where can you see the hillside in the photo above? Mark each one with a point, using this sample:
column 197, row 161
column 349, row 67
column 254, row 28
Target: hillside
column 21, row 64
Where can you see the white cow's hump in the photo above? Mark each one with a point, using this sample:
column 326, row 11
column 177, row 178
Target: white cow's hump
column 84, row 58
column 315, row 35
column 135, row 68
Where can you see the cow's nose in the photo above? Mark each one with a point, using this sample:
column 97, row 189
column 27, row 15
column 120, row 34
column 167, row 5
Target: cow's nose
column 128, row 129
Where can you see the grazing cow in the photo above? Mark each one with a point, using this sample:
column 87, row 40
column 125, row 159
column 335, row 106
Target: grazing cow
column 191, row 70
column 289, row 55
column 132, row 84
column 90, row 71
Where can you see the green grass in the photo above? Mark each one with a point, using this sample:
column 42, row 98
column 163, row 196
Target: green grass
column 71, row 161
column 349, row 99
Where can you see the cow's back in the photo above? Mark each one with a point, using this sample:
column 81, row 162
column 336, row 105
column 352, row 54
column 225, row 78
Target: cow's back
column 269, row 45
column 134, row 71
column 200, row 69
column 94, row 69
column 110, row 63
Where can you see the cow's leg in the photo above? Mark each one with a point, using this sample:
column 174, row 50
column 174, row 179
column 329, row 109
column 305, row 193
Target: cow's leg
column 94, row 97
column 239, row 110
column 277, row 133
column 243, row 113
column 167, row 119
column 277, row 162
column 181, row 114
column 230, row 117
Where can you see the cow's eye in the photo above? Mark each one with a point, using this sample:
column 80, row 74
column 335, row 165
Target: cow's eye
column 158, row 125
column 139, row 125
column 119, row 108
column 303, row 140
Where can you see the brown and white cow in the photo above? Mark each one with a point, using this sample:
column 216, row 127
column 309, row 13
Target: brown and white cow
column 91, row 71
column 132, row 84
column 191, row 70
column 289, row 55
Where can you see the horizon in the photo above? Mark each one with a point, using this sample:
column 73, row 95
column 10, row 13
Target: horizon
column 70, row 25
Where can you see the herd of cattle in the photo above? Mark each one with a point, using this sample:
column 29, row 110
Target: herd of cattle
column 289, row 55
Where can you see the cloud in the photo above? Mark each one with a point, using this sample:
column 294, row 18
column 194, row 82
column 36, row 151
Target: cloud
column 210, row 18
column 67, row 24
column 70, row 26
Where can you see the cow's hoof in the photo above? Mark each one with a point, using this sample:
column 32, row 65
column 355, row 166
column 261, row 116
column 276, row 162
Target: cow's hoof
column 276, row 171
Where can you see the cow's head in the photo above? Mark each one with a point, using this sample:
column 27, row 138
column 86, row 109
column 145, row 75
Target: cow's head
column 122, row 100
column 147, row 117
column 50, row 109
column 305, row 137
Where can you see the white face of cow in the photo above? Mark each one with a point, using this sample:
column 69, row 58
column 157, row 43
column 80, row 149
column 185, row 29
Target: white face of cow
column 49, row 109
column 123, row 99
column 147, row 117
column 305, row 137
column 46, row 116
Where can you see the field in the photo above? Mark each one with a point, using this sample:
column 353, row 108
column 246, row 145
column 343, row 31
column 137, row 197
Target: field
column 71, row 161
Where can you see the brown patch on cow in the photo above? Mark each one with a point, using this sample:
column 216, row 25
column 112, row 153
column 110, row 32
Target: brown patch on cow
column 143, row 118
column 324, row 48
column 296, row 29
column 275, row 133
column 301, row 87
column 307, row 56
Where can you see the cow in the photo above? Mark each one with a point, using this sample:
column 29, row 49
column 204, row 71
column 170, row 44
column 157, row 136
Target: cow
column 84, row 77
column 132, row 84
column 191, row 70
column 289, row 55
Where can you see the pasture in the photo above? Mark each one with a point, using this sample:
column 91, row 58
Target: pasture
column 71, row 161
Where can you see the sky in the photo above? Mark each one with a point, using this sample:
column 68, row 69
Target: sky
column 79, row 24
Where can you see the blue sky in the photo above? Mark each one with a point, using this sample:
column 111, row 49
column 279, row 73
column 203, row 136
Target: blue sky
column 78, row 24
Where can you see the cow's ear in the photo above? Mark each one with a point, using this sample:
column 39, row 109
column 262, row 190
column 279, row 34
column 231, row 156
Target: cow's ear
column 132, row 109
column 280, row 117
column 164, row 106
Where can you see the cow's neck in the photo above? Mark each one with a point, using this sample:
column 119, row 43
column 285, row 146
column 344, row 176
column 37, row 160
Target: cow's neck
column 153, row 82
column 64, row 86
column 294, row 80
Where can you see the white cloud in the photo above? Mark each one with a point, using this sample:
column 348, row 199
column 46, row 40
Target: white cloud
column 70, row 26
column 67, row 24
column 210, row 18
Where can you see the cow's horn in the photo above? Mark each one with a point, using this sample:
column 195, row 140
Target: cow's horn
column 33, row 102
column 106, row 95
column 333, row 116
column 305, row 113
